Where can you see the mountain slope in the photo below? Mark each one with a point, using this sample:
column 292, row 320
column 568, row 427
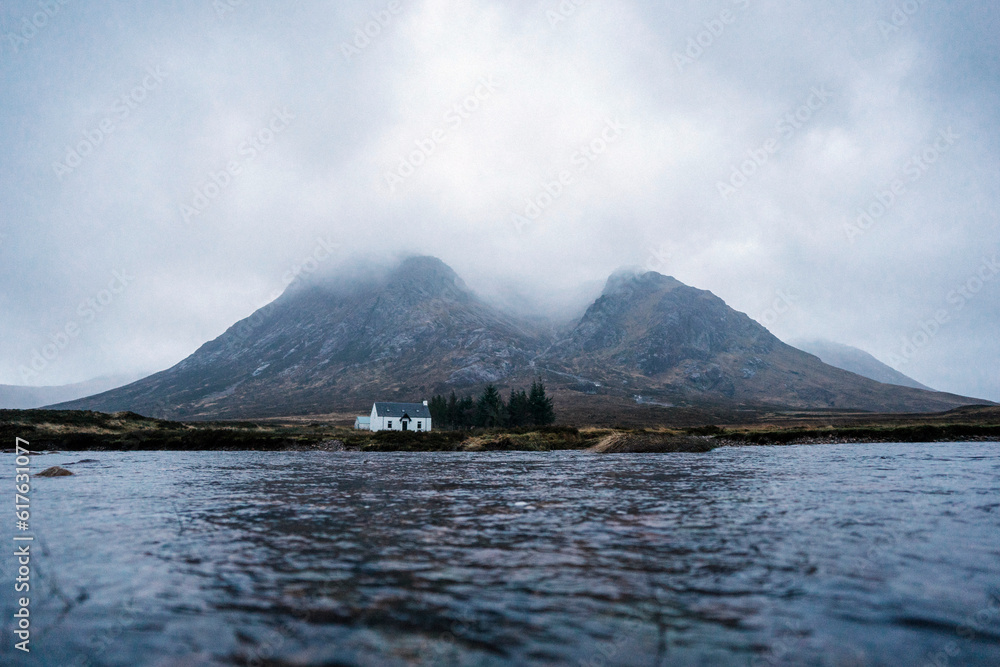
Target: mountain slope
column 318, row 347
column 857, row 361
column 417, row 330
column 657, row 336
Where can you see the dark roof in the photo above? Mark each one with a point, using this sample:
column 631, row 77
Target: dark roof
column 414, row 410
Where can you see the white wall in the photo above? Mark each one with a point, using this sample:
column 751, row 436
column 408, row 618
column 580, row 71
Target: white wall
column 379, row 423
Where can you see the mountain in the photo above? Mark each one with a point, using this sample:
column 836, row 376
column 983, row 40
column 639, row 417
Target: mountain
column 856, row 361
column 417, row 330
column 679, row 345
column 16, row 397
column 322, row 346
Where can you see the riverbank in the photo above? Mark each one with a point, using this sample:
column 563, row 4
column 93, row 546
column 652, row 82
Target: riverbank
column 65, row 430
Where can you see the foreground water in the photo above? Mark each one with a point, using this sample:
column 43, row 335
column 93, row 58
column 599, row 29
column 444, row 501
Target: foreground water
column 828, row 555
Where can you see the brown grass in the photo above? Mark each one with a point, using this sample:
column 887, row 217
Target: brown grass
column 653, row 442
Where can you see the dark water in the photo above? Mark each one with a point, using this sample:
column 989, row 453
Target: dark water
column 824, row 555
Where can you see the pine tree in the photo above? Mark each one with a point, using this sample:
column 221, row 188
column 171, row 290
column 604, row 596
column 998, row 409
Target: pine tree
column 439, row 412
column 540, row 405
column 518, row 410
column 466, row 413
column 453, row 418
column 490, row 409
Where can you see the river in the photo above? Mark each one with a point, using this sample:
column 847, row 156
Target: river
column 884, row 554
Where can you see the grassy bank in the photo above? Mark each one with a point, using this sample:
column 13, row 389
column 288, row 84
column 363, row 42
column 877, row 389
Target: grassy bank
column 884, row 433
column 48, row 430
column 125, row 431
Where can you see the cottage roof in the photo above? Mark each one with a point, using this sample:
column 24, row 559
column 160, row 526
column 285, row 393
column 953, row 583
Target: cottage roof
column 397, row 410
column 363, row 420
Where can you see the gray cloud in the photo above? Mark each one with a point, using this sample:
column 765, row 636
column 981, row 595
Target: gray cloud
column 690, row 118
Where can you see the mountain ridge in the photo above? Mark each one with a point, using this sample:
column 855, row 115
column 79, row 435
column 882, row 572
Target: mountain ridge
column 23, row 397
column 857, row 361
column 417, row 329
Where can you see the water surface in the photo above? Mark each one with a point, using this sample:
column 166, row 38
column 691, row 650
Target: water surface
column 827, row 555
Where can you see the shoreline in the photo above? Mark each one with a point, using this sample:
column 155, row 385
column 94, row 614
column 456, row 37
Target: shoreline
column 722, row 443
column 76, row 431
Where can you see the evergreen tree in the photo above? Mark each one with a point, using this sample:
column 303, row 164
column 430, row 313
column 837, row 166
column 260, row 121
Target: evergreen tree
column 540, row 405
column 490, row 409
column 439, row 412
column 454, row 419
column 518, row 410
column 466, row 413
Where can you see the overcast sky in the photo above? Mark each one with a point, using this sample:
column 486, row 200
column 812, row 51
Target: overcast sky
column 175, row 163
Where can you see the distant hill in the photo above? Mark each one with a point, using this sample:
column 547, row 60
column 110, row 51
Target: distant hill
column 416, row 330
column 857, row 361
column 15, row 397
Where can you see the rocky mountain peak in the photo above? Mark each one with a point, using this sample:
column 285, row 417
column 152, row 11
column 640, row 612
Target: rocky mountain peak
column 427, row 276
column 627, row 281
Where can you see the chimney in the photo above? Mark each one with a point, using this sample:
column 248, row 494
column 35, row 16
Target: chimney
column 425, row 402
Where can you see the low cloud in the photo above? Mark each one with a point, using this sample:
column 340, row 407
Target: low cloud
column 755, row 135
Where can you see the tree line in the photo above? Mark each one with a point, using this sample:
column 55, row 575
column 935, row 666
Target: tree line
column 490, row 410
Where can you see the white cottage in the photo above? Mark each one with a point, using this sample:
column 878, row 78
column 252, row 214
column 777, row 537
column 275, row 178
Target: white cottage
column 401, row 417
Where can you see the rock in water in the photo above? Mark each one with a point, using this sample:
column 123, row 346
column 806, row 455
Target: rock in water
column 54, row 471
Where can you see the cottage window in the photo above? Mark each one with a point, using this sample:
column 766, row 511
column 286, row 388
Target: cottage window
column 388, row 424
column 420, row 425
